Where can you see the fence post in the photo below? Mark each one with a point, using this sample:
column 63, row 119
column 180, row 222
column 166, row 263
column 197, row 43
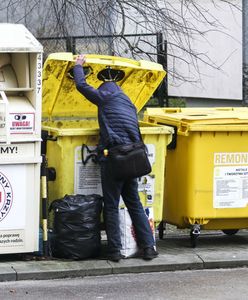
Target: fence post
column 162, row 91
column 71, row 44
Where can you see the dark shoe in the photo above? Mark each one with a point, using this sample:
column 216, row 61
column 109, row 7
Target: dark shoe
column 116, row 256
column 149, row 253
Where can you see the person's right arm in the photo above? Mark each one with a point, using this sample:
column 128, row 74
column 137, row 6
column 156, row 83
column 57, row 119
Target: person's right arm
column 82, row 86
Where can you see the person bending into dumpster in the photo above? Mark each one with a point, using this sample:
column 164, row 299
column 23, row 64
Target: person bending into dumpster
column 118, row 122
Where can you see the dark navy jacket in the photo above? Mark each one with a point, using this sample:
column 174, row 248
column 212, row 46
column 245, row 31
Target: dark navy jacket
column 117, row 116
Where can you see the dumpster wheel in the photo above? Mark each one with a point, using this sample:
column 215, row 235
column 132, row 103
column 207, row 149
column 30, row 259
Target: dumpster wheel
column 161, row 229
column 230, row 231
column 194, row 233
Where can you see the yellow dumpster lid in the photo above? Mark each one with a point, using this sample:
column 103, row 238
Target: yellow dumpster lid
column 201, row 118
column 138, row 79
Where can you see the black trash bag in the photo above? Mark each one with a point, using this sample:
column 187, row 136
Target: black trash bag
column 76, row 226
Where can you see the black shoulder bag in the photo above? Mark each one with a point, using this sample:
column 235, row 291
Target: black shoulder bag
column 129, row 160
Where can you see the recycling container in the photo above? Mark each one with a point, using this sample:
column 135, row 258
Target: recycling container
column 206, row 178
column 20, row 139
column 72, row 132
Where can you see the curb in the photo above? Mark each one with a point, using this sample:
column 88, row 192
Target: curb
column 213, row 252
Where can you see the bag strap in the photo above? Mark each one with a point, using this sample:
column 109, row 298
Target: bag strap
column 141, row 139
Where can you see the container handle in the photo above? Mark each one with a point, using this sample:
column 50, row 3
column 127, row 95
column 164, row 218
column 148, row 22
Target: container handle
column 92, row 154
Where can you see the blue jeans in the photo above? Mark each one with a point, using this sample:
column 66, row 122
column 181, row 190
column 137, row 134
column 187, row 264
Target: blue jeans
column 128, row 189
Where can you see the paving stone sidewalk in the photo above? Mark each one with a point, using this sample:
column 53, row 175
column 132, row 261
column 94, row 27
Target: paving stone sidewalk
column 214, row 250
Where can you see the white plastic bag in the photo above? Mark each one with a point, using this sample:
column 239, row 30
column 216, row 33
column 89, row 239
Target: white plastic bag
column 128, row 237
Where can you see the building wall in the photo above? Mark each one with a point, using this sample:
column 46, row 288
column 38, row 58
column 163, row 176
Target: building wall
column 222, row 48
column 216, row 70
column 245, row 52
column 221, row 45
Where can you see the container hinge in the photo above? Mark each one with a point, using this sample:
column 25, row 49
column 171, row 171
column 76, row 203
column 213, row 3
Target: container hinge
column 183, row 129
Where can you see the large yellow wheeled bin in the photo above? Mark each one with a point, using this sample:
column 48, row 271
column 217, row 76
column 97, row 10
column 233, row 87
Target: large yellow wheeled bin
column 71, row 127
column 206, row 181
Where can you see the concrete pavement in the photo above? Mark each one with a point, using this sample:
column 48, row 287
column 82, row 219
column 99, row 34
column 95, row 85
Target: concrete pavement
column 214, row 250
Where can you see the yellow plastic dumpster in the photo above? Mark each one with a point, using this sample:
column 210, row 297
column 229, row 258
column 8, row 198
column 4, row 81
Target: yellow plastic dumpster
column 70, row 122
column 206, row 181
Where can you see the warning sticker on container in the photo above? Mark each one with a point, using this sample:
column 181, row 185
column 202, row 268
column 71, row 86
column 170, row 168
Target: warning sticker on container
column 87, row 175
column 21, row 123
column 230, row 186
column 146, row 186
column 146, row 183
column 12, row 238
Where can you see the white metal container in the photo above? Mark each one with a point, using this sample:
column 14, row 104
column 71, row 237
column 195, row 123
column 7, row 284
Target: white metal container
column 20, row 138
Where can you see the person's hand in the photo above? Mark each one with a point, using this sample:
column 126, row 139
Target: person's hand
column 80, row 60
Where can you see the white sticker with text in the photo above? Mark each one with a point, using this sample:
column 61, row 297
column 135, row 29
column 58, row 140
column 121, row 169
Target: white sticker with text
column 21, row 123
